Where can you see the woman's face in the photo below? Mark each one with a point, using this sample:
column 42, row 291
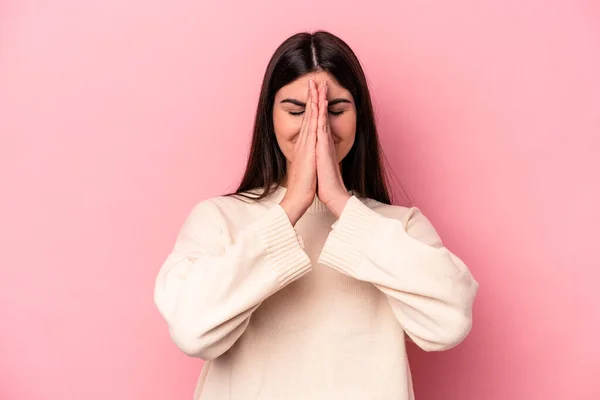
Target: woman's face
column 288, row 113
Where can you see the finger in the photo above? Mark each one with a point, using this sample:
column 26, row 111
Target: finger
column 328, row 130
column 322, row 120
column 307, row 115
column 323, row 92
column 312, row 128
column 325, row 114
column 327, row 121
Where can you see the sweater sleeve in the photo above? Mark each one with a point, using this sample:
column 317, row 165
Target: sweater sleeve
column 208, row 286
column 430, row 290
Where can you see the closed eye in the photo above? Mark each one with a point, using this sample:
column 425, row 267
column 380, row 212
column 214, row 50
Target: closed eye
column 330, row 112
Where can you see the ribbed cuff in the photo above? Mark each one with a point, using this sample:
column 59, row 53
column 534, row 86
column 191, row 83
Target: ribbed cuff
column 283, row 246
column 346, row 244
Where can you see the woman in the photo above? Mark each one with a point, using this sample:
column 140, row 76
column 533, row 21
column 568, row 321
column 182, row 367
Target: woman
column 305, row 282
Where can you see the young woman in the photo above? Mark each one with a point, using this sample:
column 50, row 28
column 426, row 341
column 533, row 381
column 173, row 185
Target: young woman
column 306, row 282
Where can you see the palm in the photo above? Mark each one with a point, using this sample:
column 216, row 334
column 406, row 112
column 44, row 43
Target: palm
column 330, row 187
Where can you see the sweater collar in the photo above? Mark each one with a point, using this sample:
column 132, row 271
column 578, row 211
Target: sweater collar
column 317, row 206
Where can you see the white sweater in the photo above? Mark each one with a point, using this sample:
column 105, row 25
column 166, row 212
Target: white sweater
column 316, row 311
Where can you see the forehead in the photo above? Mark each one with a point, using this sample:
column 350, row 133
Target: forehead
column 299, row 88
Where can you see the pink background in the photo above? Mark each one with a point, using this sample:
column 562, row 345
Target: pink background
column 117, row 117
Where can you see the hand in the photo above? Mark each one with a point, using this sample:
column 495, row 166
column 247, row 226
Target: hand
column 302, row 171
column 330, row 189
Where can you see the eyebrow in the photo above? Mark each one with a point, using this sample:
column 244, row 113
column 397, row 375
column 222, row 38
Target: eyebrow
column 331, row 103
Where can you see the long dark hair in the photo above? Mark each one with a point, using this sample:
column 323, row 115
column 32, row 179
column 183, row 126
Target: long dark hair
column 300, row 54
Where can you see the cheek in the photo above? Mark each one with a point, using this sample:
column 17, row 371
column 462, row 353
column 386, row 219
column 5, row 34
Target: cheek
column 286, row 126
column 286, row 131
column 344, row 127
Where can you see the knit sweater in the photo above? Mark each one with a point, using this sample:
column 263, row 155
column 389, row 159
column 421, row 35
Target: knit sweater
column 319, row 310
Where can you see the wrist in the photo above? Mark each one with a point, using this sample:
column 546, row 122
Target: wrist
column 293, row 213
column 337, row 206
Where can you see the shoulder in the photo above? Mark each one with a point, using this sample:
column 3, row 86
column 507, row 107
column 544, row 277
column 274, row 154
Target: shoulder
column 211, row 223
column 240, row 203
column 414, row 221
column 222, row 210
column 398, row 212
column 202, row 220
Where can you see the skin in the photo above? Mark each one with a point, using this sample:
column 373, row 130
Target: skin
column 315, row 126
